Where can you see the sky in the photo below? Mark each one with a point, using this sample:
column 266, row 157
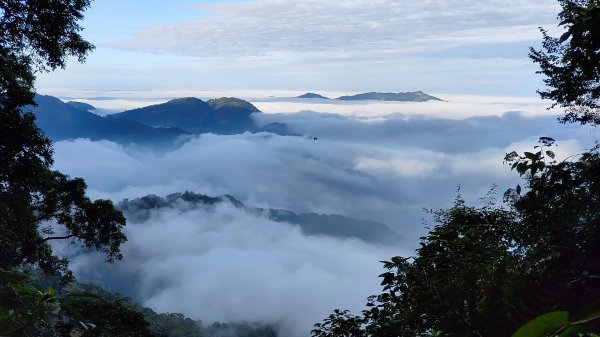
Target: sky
column 381, row 161
column 444, row 46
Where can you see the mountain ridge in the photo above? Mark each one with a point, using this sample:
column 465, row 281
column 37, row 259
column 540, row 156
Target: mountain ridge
column 63, row 121
column 161, row 125
column 225, row 115
column 410, row 96
column 333, row 225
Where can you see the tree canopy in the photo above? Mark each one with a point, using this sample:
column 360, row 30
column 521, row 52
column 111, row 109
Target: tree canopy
column 38, row 204
column 571, row 62
column 487, row 271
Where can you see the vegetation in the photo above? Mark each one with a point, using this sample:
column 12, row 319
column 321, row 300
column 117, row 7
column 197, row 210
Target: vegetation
column 38, row 204
column 571, row 62
column 528, row 265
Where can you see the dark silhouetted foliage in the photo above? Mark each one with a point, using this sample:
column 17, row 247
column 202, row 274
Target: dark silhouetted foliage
column 571, row 62
column 489, row 271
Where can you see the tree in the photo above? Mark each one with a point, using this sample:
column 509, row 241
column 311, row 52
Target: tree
column 38, row 204
column 487, row 271
column 465, row 279
column 571, row 62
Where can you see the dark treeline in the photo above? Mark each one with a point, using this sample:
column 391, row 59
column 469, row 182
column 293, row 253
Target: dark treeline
column 535, row 256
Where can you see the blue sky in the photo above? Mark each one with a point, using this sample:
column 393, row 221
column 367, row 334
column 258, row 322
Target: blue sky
column 438, row 46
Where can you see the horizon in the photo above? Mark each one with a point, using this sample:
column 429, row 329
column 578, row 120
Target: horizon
column 457, row 47
column 390, row 162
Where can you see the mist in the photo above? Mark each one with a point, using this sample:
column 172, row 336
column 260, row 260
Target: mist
column 224, row 264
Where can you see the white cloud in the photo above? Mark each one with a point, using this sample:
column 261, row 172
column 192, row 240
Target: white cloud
column 403, row 166
column 217, row 264
column 226, row 265
column 455, row 46
column 340, row 29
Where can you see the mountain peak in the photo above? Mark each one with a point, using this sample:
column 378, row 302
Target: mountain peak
column 231, row 103
column 81, row 106
column 184, row 100
column 225, row 115
column 414, row 96
column 332, row 225
column 312, row 95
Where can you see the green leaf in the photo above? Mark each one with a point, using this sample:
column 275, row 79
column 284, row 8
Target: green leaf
column 543, row 325
column 581, row 324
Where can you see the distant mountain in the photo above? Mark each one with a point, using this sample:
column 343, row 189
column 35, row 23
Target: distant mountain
column 224, row 115
column 416, row 96
column 310, row 223
column 312, row 95
column 187, row 113
column 233, row 114
column 81, row 106
column 61, row 121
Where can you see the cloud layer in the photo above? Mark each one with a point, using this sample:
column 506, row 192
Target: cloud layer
column 456, row 46
column 341, row 29
column 223, row 264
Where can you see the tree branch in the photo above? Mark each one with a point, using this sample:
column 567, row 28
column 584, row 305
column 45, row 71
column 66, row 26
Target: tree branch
column 58, row 237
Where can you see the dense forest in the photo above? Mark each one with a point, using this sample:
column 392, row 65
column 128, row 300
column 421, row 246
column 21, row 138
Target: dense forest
column 528, row 265
column 523, row 266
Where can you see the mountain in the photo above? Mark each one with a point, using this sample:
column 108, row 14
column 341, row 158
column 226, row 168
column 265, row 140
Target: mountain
column 81, row 106
column 61, row 121
column 191, row 114
column 310, row 223
column 233, row 114
column 415, row 96
column 224, row 115
column 337, row 226
column 312, row 95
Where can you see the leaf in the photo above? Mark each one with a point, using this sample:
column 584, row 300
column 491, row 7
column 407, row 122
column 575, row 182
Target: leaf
column 543, row 325
column 529, row 155
column 580, row 325
column 550, row 154
column 547, row 141
column 518, row 189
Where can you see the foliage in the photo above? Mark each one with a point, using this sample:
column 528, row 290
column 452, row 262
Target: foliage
column 561, row 224
column 571, row 62
column 174, row 324
column 38, row 36
column 38, row 204
column 487, row 271
column 25, row 309
column 28, row 309
column 559, row 323
column 465, row 272
column 106, row 318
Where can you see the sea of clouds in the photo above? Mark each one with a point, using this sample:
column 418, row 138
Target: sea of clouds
column 378, row 161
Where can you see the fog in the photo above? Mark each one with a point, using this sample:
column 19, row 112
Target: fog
column 224, row 264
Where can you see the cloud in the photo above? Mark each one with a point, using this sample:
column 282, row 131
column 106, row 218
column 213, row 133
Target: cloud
column 226, row 265
column 223, row 264
column 316, row 29
column 459, row 46
column 365, row 169
column 454, row 107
